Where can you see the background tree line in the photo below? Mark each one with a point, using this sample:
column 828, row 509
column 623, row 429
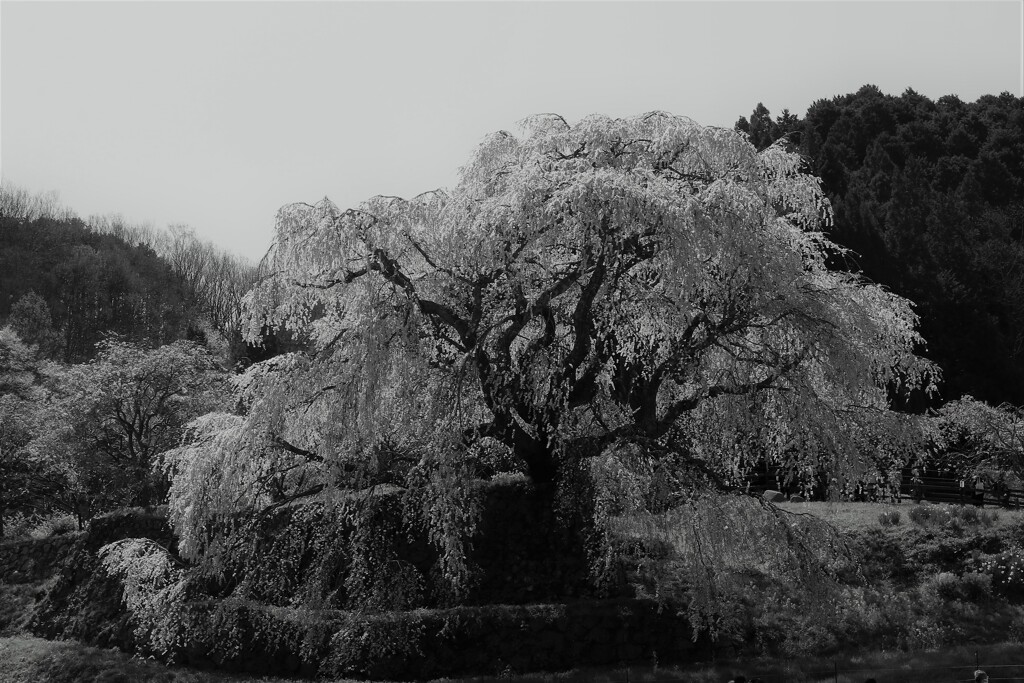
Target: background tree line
column 66, row 283
column 929, row 196
column 112, row 336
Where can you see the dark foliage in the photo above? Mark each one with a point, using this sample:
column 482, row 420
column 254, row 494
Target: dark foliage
column 336, row 555
column 93, row 284
column 85, row 601
column 929, row 195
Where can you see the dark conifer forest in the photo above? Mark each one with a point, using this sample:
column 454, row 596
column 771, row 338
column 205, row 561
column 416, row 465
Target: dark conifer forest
column 929, row 197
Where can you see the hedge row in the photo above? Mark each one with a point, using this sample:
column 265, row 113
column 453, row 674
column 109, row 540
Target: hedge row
column 85, row 602
column 473, row 640
column 304, row 553
column 33, row 559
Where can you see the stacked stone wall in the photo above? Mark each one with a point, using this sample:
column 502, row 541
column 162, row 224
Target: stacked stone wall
column 522, row 617
column 84, row 602
column 425, row 644
column 34, row 559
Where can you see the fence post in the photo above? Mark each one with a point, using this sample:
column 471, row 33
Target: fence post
column 835, row 667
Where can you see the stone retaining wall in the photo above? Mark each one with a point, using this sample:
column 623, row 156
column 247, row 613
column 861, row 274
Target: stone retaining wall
column 34, row 559
column 424, row 644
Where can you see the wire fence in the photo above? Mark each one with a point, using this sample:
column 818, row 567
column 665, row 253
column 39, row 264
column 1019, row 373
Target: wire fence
column 931, row 487
column 793, row 673
column 1003, row 673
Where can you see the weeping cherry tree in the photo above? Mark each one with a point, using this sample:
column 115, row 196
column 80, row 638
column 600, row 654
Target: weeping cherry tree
column 644, row 302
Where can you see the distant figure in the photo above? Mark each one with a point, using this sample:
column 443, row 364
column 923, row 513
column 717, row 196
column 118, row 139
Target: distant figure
column 979, row 492
column 1002, row 490
column 980, row 676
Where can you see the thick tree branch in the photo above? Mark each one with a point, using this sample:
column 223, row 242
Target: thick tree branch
column 676, row 410
column 292, row 448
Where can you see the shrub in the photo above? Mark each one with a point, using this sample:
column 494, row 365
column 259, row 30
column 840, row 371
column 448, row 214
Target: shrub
column 876, row 615
column 879, row 554
column 15, row 602
column 57, row 524
column 969, row 515
column 19, row 525
column 784, row 630
column 889, row 518
column 949, row 549
column 976, row 587
column 972, row 516
column 1007, row 573
column 973, row 587
column 921, row 515
column 1015, row 634
column 955, row 517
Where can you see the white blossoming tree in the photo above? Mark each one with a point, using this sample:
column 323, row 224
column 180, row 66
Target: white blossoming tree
column 643, row 300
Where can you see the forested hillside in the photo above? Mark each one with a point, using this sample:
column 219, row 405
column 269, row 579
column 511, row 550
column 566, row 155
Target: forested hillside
column 86, row 285
column 929, row 197
column 66, row 284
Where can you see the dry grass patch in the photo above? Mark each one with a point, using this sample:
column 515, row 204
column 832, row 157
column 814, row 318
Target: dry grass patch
column 26, row 659
column 860, row 516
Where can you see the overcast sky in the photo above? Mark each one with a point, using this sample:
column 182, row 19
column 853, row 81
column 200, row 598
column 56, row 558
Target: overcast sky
column 214, row 114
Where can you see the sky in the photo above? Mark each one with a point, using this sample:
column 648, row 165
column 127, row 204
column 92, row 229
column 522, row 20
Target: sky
column 216, row 114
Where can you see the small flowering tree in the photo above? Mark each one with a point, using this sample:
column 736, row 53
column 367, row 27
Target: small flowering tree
column 979, row 436
column 110, row 418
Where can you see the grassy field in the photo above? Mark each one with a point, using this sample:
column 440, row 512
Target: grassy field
column 25, row 659
column 29, row 660
column 857, row 516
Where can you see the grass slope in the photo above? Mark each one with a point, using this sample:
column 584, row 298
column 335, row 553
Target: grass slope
column 24, row 659
column 859, row 516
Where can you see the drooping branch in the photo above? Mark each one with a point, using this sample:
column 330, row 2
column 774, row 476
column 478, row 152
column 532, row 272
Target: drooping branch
column 380, row 262
column 296, row 450
column 433, row 263
column 678, row 408
column 291, row 498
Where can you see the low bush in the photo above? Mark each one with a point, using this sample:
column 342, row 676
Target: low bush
column 54, row 525
column 34, row 660
column 951, row 516
column 973, row 587
column 880, row 554
column 15, row 601
column 875, row 615
column 19, row 526
column 889, row 518
column 948, row 549
column 1007, row 573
